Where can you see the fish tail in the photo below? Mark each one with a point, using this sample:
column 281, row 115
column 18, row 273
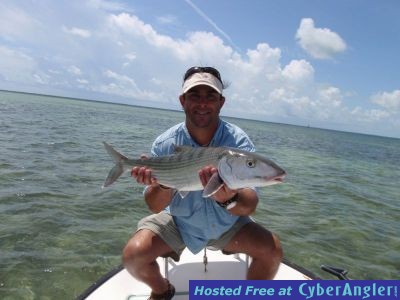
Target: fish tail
column 118, row 169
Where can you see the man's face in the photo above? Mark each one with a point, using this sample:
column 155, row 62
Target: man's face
column 202, row 105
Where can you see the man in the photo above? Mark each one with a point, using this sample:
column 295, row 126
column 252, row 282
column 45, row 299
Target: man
column 221, row 221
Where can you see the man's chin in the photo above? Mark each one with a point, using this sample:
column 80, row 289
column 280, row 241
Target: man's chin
column 202, row 121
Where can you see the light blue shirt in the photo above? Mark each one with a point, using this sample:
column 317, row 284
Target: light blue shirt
column 200, row 219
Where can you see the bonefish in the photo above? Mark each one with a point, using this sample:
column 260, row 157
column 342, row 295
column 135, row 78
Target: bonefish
column 236, row 168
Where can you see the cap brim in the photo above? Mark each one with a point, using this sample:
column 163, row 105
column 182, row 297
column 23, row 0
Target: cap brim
column 202, row 79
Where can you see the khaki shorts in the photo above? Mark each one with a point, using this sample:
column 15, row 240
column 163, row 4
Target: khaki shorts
column 164, row 226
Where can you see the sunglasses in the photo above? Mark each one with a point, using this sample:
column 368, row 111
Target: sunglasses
column 209, row 70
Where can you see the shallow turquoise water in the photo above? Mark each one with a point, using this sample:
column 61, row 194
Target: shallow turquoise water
column 60, row 231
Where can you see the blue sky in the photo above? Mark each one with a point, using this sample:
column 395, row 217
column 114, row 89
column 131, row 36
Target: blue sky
column 328, row 64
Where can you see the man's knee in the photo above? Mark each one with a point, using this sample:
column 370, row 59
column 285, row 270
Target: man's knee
column 277, row 250
column 132, row 253
column 138, row 250
column 270, row 249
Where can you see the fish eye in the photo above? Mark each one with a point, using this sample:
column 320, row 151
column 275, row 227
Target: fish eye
column 250, row 163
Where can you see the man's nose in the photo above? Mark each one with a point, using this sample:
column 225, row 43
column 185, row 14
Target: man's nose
column 203, row 99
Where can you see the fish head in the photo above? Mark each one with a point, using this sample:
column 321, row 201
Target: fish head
column 239, row 169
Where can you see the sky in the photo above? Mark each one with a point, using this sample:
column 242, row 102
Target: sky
column 327, row 64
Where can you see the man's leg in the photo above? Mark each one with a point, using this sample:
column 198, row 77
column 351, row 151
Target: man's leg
column 139, row 258
column 262, row 245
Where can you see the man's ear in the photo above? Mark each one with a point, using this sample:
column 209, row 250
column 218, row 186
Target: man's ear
column 222, row 101
column 182, row 99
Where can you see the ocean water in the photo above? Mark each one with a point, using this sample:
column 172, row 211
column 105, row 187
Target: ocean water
column 59, row 231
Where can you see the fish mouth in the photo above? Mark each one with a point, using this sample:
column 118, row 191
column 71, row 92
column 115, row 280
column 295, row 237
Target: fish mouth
column 279, row 179
column 276, row 179
column 281, row 176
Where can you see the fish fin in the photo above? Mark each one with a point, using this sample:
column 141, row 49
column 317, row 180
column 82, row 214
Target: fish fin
column 183, row 194
column 118, row 169
column 114, row 153
column 213, row 185
column 180, row 149
column 225, row 172
column 113, row 175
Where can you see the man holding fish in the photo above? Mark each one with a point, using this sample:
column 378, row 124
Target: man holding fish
column 217, row 217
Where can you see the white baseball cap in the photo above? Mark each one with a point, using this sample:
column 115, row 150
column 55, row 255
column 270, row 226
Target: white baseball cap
column 202, row 78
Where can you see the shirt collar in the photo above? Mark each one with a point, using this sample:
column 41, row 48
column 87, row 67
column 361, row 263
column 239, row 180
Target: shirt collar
column 215, row 138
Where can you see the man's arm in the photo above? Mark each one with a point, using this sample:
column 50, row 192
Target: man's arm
column 246, row 202
column 246, row 199
column 157, row 197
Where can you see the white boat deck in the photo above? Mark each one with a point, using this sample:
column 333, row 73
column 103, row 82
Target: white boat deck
column 225, row 267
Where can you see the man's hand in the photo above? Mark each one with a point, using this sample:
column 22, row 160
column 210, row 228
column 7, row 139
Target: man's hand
column 156, row 197
column 143, row 175
column 224, row 193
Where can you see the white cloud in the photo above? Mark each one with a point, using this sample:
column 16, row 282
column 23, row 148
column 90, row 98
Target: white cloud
column 16, row 24
column 125, row 86
column 133, row 25
column 367, row 116
column 321, row 43
column 330, row 96
column 167, row 19
column 130, row 56
column 42, row 78
column 211, row 22
column 197, row 46
column 83, row 33
column 299, row 71
column 264, row 58
column 54, row 71
column 107, row 5
column 74, row 70
column 388, row 100
column 156, row 81
column 120, row 78
column 15, row 65
column 82, row 81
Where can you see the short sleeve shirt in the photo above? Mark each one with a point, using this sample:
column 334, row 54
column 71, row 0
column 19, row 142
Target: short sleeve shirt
column 200, row 219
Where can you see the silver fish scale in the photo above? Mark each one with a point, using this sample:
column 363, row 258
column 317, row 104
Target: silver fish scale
column 181, row 170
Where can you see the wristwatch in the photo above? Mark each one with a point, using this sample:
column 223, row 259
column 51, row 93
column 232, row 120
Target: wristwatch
column 164, row 187
column 228, row 204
